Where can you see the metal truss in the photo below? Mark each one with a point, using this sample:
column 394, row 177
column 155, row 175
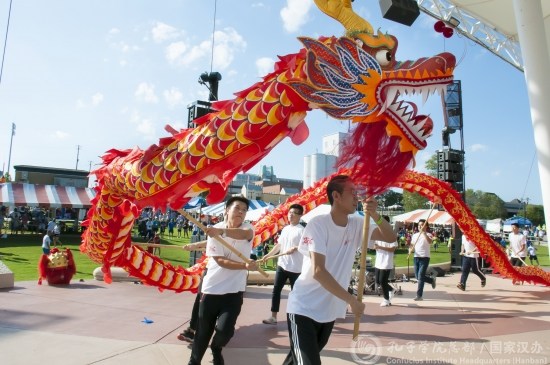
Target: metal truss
column 484, row 34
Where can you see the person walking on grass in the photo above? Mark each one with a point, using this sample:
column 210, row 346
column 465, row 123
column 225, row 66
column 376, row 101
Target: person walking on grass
column 289, row 265
column 532, row 251
column 46, row 243
column 470, row 256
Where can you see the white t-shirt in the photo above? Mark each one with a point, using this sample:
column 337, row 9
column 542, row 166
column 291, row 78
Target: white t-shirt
column 338, row 245
column 469, row 247
column 46, row 241
column 219, row 280
column 51, row 226
column 384, row 259
column 516, row 240
column 290, row 237
column 422, row 246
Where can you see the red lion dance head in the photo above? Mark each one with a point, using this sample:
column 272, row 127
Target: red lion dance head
column 58, row 267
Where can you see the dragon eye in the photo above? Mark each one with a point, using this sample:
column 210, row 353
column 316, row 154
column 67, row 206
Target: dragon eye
column 383, row 57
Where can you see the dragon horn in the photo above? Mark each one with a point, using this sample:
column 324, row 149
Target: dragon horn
column 342, row 11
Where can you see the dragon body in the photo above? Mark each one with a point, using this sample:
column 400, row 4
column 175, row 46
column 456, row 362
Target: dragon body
column 432, row 189
column 355, row 77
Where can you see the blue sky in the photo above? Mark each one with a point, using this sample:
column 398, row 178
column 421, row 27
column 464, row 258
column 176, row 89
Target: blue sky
column 111, row 74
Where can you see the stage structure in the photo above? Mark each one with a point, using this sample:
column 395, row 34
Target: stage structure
column 450, row 162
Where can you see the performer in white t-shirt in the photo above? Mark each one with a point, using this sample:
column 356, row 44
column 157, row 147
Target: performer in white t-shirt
column 422, row 241
column 470, row 255
column 289, row 265
column 320, row 295
column 224, row 283
column 518, row 243
column 383, row 266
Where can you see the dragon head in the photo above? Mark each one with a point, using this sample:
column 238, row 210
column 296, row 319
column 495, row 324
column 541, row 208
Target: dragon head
column 359, row 79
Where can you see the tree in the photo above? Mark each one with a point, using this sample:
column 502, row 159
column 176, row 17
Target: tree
column 535, row 213
column 431, row 165
column 485, row 205
column 390, row 198
column 413, row 201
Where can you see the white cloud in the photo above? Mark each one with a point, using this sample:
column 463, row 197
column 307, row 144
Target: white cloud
column 124, row 47
column 173, row 97
column 227, row 42
column 162, row 32
column 264, row 65
column 174, row 51
column 146, row 92
column 114, row 31
column 478, row 147
column 496, row 173
column 295, row 14
column 144, row 126
column 60, row 135
column 123, row 63
column 258, row 5
column 97, row 98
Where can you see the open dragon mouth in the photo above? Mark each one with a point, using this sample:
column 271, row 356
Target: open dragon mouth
column 404, row 113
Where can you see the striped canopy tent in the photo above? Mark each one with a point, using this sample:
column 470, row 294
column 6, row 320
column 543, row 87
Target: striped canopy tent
column 437, row 217
column 218, row 209
column 45, row 196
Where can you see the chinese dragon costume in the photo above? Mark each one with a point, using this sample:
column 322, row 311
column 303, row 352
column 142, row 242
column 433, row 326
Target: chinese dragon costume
column 355, row 77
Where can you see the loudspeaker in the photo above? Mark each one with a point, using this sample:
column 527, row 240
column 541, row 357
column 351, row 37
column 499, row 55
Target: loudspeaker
column 456, row 246
column 401, row 11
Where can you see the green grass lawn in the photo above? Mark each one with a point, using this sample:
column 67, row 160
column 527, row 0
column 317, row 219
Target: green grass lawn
column 21, row 254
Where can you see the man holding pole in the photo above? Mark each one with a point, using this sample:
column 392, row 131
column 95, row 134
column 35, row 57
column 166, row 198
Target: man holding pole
column 329, row 244
column 518, row 243
column 289, row 265
column 422, row 241
column 225, row 282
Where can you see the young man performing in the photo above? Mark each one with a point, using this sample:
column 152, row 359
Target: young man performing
column 469, row 261
column 289, row 266
column 320, row 295
column 224, row 283
column 422, row 241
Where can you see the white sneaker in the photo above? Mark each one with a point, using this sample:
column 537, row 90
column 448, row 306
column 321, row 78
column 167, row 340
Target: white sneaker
column 385, row 303
column 270, row 320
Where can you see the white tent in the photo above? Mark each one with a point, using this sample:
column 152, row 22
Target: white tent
column 254, row 215
column 218, row 209
column 437, row 217
column 494, row 225
column 321, row 209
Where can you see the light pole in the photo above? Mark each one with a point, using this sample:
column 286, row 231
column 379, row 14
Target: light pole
column 11, row 142
column 525, row 203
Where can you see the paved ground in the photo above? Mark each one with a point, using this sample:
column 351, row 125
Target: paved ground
column 95, row 323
